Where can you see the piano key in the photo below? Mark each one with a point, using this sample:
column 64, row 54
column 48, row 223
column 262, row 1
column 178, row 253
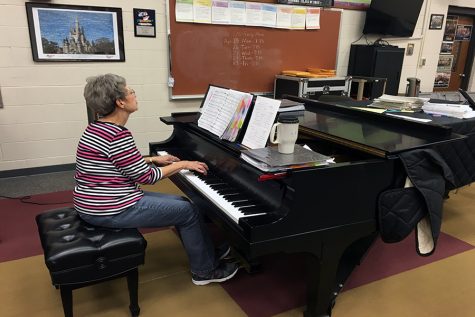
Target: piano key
column 225, row 191
column 244, row 203
column 217, row 186
column 216, row 198
column 252, row 209
column 235, row 197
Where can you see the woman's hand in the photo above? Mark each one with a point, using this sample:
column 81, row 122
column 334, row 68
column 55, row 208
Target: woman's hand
column 171, row 169
column 197, row 166
column 163, row 159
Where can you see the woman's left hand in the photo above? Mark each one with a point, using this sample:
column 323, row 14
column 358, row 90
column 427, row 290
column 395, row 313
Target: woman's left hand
column 164, row 159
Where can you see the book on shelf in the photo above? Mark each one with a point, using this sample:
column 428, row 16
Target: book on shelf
column 224, row 111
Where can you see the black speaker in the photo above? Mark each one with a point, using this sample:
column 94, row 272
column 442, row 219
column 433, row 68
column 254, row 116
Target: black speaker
column 377, row 61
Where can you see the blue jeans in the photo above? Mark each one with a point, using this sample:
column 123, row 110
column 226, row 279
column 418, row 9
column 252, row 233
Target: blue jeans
column 163, row 210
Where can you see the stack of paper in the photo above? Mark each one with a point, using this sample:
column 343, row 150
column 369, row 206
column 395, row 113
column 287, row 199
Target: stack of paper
column 390, row 102
column 287, row 105
column 449, row 110
column 269, row 158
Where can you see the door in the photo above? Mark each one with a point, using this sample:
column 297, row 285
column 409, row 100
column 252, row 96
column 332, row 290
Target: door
column 451, row 68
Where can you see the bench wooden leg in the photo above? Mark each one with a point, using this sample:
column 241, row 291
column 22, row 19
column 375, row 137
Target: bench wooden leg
column 133, row 285
column 67, row 299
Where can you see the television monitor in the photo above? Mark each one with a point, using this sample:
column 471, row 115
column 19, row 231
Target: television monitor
column 391, row 17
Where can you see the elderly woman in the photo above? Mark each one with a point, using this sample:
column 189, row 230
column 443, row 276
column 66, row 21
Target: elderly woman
column 109, row 169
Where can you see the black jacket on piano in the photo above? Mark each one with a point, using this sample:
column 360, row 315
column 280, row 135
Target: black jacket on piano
column 418, row 204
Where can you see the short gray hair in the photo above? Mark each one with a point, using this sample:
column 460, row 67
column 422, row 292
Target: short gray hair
column 102, row 91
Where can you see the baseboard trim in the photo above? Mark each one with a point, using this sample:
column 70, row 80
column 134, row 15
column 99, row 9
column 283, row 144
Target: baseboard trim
column 38, row 170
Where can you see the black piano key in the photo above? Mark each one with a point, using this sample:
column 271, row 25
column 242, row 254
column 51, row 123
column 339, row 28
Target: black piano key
column 245, row 203
column 218, row 186
column 235, row 197
column 214, row 181
column 254, row 209
column 224, row 191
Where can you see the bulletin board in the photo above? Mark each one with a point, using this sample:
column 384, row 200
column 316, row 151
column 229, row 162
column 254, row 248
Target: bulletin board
column 244, row 58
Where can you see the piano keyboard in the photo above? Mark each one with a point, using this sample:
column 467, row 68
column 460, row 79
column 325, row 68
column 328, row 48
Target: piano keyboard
column 232, row 201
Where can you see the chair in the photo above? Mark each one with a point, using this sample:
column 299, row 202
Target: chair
column 78, row 254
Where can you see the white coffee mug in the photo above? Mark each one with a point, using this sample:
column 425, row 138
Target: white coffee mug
column 287, row 129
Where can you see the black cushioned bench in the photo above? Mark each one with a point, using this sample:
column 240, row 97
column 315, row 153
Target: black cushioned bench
column 78, row 254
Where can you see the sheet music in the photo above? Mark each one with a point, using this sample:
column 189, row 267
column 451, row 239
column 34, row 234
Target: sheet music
column 262, row 119
column 215, row 99
column 238, row 118
column 218, row 109
column 226, row 112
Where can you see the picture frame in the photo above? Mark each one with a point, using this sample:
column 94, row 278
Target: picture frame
column 361, row 5
column 75, row 33
column 436, row 21
column 144, row 23
column 463, row 32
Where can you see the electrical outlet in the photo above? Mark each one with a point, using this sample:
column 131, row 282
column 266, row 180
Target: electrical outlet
column 422, row 62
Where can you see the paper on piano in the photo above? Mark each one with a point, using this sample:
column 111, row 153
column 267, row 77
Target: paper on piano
column 260, row 124
column 301, row 155
column 449, row 110
column 239, row 116
column 224, row 110
column 287, row 105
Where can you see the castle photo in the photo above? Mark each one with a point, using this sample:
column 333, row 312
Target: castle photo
column 74, row 33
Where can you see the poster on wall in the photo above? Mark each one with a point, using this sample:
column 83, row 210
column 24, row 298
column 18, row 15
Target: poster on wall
column 450, row 26
column 144, row 23
column 463, row 32
column 444, row 69
column 75, row 33
column 446, row 47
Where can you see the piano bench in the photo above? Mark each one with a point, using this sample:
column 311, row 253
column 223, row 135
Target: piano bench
column 78, row 254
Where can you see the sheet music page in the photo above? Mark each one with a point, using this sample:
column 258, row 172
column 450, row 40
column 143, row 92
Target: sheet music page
column 215, row 99
column 262, row 119
column 238, row 118
column 226, row 111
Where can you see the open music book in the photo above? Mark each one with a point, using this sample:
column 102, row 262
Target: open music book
column 224, row 111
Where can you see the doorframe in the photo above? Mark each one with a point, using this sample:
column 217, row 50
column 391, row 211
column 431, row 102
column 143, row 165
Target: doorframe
column 455, row 10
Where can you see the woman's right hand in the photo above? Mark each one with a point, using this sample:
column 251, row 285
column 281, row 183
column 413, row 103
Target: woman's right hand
column 197, row 166
column 175, row 167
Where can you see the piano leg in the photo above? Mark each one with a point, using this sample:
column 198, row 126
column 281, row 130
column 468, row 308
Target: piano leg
column 320, row 284
column 323, row 267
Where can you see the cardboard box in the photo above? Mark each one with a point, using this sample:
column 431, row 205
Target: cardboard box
column 311, row 88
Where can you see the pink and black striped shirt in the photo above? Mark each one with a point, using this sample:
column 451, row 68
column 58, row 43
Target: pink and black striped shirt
column 109, row 169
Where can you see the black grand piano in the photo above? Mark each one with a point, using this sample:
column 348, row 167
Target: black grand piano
column 328, row 212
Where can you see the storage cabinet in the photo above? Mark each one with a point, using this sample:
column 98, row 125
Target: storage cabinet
column 377, row 61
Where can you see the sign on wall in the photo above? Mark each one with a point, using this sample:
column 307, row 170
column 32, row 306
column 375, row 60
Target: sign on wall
column 144, row 23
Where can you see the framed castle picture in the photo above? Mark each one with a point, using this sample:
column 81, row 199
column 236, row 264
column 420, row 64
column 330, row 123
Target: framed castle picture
column 75, row 33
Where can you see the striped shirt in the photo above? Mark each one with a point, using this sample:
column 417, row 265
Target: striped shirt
column 109, row 169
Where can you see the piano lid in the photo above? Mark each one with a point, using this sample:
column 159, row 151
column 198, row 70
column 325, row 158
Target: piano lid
column 372, row 133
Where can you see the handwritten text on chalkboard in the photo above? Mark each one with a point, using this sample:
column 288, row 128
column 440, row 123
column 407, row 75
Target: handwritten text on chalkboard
column 246, row 48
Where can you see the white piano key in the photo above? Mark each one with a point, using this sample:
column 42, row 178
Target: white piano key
column 217, row 199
